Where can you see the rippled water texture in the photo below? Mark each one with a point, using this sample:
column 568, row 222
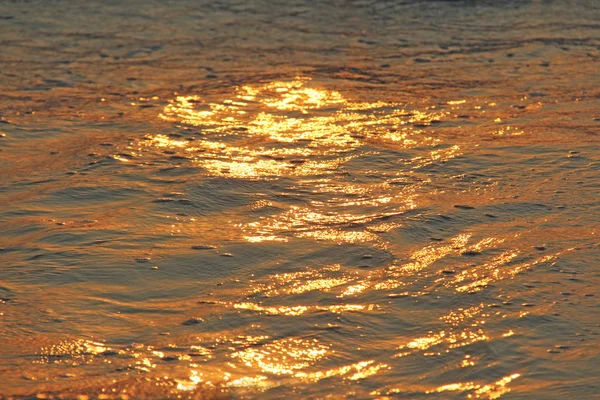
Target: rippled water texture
column 259, row 199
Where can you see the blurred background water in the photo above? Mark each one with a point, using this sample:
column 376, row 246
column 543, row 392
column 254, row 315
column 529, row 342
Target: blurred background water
column 338, row 199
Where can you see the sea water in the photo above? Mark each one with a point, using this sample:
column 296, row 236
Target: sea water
column 268, row 199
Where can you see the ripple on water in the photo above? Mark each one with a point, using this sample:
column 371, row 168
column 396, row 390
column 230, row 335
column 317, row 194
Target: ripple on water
column 373, row 231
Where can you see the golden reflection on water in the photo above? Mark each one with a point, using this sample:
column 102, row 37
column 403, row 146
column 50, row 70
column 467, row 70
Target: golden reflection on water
column 509, row 131
column 436, row 156
column 264, row 365
column 468, row 277
column 307, row 222
column 195, row 379
column 294, row 356
column 490, row 391
column 428, row 255
column 299, row 310
column 73, row 351
column 279, row 128
column 284, row 357
column 323, row 279
column 420, row 260
column 360, row 370
column 257, row 363
column 353, row 214
column 464, row 328
column 478, row 277
column 290, row 128
column 469, row 389
column 331, row 278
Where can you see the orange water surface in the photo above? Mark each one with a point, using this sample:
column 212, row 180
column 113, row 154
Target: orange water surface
column 360, row 199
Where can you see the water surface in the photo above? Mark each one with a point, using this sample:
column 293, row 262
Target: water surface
column 350, row 199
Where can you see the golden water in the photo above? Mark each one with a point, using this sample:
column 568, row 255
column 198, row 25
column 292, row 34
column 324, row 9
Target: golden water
column 358, row 199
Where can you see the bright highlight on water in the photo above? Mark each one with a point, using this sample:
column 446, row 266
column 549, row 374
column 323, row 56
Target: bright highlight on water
column 262, row 200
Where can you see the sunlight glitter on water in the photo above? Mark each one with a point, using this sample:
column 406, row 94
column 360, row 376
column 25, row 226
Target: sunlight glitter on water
column 272, row 117
column 371, row 199
column 490, row 391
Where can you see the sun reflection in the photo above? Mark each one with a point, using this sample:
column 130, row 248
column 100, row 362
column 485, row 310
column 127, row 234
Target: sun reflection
column 165, row 141
column 490, row 391
column 344, row 227
column 192, row 383
column 478, row 277
column 256, row 382
column 259, row 363
column 345, row 282
column 331, row 278
column 299, row 310
column 464, row 328
column 360, row 370
column 298, row 129
column 509, row 131
column 283, row 357
column 281, row 127
column 421, row 259
column 440, row 155
column 325, row 278
column 73, row 351
column 467, row 362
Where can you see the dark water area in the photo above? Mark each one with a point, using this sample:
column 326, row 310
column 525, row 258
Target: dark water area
column 322, row 200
